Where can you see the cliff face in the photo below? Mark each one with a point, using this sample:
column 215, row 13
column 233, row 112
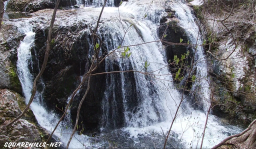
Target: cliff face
column 229, row 28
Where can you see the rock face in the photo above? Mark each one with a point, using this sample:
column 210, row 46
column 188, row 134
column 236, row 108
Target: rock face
column 67, row 62
column 36, row 5
column 172, row 33
column 231, row 59
column 22, row 130
column 9, row 42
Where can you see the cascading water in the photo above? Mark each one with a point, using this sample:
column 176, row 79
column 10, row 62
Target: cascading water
column 187, row 22
column 5, row 6
column 149, row 101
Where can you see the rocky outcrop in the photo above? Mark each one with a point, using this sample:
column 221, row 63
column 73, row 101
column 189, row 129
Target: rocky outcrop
column 36, row 5
column 67, row 62
column 172, row 34
column 22, row 130
column 9, row 42
column 230, row 57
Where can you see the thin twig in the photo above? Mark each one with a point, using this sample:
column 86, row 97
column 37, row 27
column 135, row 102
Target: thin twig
column 78, row 111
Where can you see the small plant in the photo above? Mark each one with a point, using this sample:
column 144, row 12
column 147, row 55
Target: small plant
column 96, row 46
column 181, row 40
column 126, row 53
column 146, row 65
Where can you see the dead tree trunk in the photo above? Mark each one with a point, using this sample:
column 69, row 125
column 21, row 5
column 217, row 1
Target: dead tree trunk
column 246, row 139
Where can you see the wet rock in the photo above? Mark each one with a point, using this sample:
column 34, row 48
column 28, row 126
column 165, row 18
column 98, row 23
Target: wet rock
column 67, row 59
column 36, row 5
column 172, row 34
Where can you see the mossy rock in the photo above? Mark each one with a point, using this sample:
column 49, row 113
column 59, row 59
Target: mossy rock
column 14, row 79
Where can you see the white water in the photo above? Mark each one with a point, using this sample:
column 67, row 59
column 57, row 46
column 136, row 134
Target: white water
column 158, row 97
column 5, row 4
column 187, row 22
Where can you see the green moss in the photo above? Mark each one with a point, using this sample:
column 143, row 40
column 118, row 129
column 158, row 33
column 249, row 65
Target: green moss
column 198, row 10
column 14, row 79
column 29, row 115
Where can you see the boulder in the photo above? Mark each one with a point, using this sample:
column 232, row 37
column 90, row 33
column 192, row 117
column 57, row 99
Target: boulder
column 36, row 5
column 67, row 62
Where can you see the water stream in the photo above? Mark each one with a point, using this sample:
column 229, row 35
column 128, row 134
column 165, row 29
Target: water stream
column 149, row 114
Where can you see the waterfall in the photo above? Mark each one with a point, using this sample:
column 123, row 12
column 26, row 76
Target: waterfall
column 147, row 99
column 5, row 6
column 187, row 22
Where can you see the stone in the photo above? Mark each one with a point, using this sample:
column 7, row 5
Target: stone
column 20, row 131
column 9, row 43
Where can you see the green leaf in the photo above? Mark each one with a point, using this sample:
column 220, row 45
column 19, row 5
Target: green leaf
column 146, row 65
column 165, row 35
column 52, row 41
column 145, row 15
column 176, row 59
column 177, row 74
column 204, row 43
column 188, row 41
column 233, row 75
column 120, row 3
column 127, row 49
column 97, row 46
column 183, row 57
column 181, row 40
column 193, row 78
column 129, row 55
column 118, row 47
column 123, row 54
column 187, row 54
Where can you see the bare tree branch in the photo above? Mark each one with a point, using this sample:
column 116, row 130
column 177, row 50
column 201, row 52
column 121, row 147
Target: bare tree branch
column 78, row 111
